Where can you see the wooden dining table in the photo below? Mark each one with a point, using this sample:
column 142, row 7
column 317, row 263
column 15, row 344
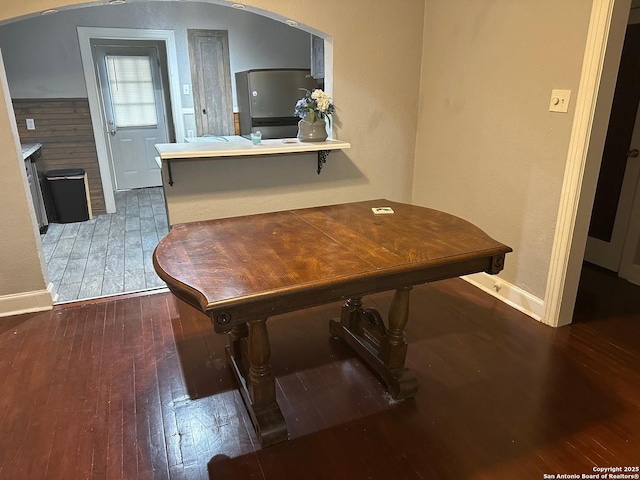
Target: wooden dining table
column 240, row 271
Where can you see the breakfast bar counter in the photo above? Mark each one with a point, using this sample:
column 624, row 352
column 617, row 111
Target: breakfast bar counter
column 176, row 151
column 170, row 152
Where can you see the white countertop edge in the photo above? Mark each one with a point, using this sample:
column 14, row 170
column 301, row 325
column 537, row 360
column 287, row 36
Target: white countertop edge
column 173, row 151
column 29, row 149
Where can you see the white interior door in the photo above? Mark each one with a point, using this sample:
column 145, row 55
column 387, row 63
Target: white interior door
column 134, row 112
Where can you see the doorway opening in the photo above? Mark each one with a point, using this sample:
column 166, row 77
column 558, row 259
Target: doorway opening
column 130, row 104
column 614, row 232
column 69, row 78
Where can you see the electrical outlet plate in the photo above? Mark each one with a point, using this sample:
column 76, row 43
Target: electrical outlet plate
column 31, row 125
column 559, row 101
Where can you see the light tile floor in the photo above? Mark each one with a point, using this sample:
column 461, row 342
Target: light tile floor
column 110, row 253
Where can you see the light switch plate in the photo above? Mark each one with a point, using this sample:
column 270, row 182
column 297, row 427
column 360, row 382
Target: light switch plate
column 31, row 125
column 559, row 101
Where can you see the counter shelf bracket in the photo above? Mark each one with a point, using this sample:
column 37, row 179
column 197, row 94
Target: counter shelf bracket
column 169, row 172
column 322, row 158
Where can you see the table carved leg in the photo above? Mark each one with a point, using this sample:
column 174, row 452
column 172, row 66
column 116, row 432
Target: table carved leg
column 384, row 349
column 248, row 354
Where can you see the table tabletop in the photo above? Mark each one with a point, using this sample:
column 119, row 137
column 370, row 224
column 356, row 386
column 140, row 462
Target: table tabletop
column 297, row 258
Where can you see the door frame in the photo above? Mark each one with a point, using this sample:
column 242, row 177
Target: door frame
column 603, row 49
column 85, row 35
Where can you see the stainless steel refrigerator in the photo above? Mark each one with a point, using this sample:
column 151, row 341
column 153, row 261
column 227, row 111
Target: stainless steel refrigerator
column 266, row 99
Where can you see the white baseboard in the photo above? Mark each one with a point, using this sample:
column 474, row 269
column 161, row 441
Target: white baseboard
column 508, row 293
column 27, row 302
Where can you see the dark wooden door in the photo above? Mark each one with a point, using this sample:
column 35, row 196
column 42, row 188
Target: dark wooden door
column 617, row 144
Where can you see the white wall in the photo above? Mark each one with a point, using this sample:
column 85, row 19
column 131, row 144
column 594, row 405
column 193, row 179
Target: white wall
column 488, row 149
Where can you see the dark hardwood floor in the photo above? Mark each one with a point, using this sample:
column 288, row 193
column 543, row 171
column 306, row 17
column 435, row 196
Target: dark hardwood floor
column 127, row 388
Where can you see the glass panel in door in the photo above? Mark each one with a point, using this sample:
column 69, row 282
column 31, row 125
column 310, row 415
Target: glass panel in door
column 132, row 92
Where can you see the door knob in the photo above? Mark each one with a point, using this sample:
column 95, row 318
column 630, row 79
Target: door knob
column 633, row 153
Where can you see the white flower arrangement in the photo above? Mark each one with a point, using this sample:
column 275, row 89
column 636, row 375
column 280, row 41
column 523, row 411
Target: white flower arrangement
column 316, row 104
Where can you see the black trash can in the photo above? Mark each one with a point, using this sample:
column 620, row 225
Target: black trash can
column 69, row 195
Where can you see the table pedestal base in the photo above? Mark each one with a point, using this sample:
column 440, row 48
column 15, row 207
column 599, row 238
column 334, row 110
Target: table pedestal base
column 383, row 349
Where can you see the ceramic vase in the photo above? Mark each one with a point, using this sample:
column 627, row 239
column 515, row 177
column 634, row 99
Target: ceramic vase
column 315, row 131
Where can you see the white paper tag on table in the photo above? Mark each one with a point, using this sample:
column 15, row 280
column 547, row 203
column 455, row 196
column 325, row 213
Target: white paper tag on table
column 382, row 210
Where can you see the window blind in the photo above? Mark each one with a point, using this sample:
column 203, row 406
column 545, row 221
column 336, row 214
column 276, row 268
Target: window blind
column 132, row 93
